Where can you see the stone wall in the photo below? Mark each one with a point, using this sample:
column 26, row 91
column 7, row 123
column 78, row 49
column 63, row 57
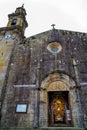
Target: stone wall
column 18, row 95
column 32, row 63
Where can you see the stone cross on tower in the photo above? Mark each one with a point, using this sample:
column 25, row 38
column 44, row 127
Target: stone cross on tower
column 53, row 25
column 23, row 5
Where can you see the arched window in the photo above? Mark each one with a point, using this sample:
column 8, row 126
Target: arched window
column 14, row 21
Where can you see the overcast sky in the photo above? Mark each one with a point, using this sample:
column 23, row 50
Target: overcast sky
column 66, row 14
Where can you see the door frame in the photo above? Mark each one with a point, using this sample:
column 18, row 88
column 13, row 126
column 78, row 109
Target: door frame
column 58, row 82
column 65, row 95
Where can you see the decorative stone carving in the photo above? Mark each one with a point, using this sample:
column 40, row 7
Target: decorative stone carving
column 57, row 86
column 65, row 79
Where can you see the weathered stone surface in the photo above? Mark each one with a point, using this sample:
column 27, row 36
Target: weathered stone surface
column 27, row 75
column 24, row 68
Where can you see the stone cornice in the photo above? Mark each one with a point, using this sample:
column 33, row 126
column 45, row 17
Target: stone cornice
column 16, row 29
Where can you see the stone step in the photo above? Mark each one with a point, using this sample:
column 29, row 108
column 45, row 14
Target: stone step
column 62, row 128
column 44, row 128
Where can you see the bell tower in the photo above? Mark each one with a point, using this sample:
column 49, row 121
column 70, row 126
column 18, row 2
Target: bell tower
column 18, row 19
column 10, row 37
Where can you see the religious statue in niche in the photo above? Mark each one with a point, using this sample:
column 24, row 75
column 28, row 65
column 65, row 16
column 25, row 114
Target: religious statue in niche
column 58, row 106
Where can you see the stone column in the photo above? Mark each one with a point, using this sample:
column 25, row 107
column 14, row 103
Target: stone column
column 79, row 118
column 37, row 100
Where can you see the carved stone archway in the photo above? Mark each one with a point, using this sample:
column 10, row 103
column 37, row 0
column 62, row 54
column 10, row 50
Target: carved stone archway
column 58, row 82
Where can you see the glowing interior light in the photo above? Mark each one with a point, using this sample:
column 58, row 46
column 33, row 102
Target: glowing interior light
column 58, row 109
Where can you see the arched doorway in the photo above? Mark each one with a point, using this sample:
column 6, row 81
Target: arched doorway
column 58, row 106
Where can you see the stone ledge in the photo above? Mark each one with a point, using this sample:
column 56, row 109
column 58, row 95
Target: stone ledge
column 44, row 128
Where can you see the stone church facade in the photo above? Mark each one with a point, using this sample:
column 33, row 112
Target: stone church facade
column 43, row 78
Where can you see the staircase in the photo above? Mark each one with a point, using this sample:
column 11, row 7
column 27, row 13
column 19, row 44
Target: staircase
column 44, row 128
